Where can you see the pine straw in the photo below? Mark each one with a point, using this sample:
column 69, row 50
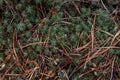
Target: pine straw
column 38, row 68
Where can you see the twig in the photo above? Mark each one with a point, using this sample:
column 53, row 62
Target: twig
column 112, row 68
column 33, row 71
column 85, row 74
column 80, row 48
column 92, row 32
column 7, row 71
column 104, row 6
column 77, row 8
column 34, row 43
column 117, row 34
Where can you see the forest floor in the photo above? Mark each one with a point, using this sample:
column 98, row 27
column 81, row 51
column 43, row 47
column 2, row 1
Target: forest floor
column 60, row 40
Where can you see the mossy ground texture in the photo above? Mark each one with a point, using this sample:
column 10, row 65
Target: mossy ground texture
column 59, row 40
